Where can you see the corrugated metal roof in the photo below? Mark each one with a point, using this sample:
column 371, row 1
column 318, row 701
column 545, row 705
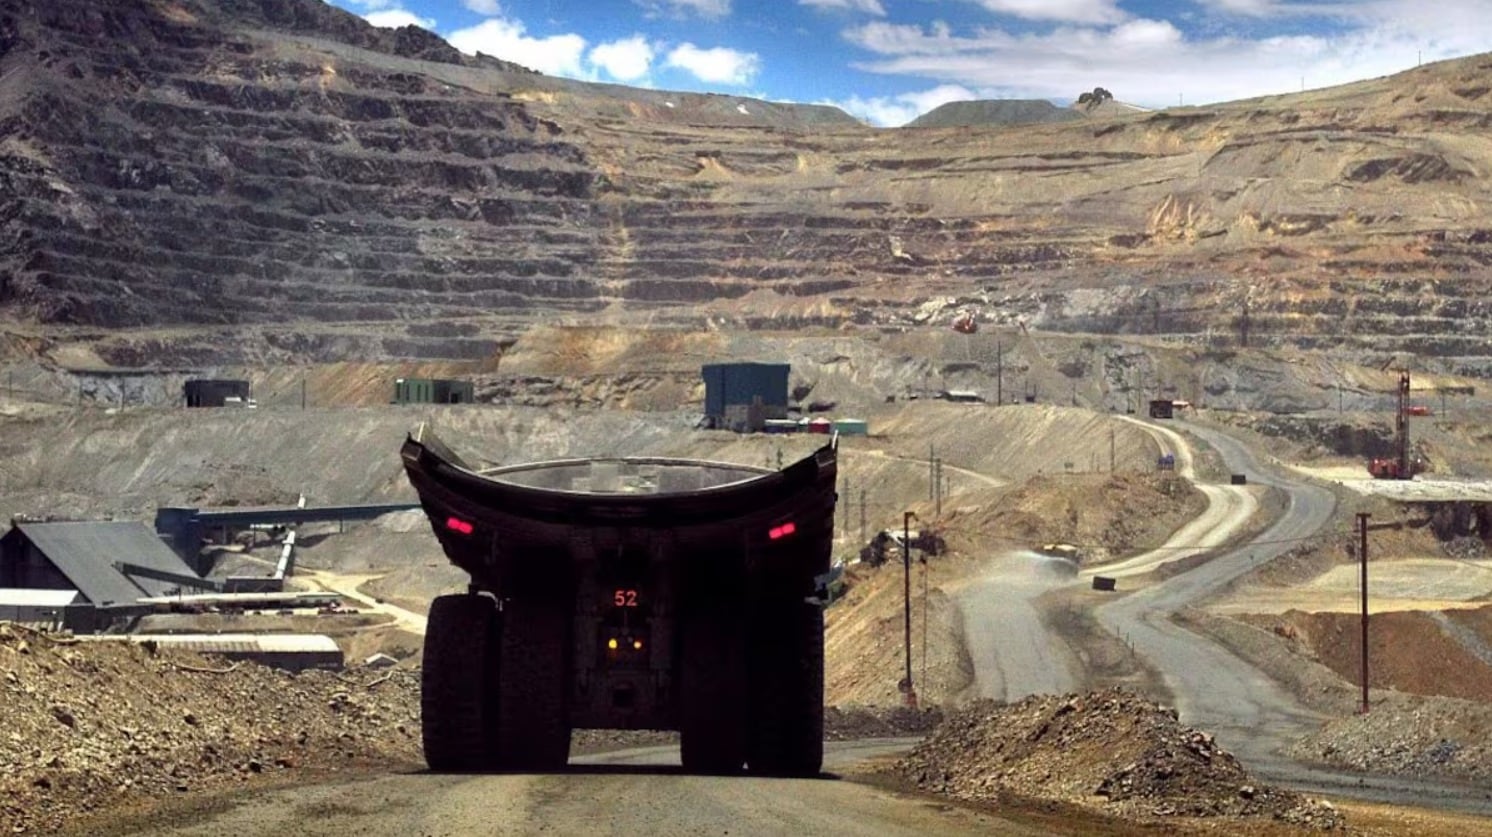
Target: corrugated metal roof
column 28, row 597
column 85, row 552
column 302, row 598
column 232, row 643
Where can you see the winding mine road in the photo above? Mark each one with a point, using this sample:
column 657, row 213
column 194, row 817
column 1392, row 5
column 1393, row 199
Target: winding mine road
column 1214, row 690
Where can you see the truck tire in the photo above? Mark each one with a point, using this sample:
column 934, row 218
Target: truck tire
column 712, row 728
column 786, row 659
column 534, row 724
column 459, row 684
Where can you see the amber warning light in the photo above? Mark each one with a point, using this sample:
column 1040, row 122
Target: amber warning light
column 456, row 524
column 782, row 531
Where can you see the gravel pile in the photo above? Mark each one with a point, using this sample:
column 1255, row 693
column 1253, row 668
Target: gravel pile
column 854, row 722
column 1408, row 735
column 103, row 726
column 1109, row 750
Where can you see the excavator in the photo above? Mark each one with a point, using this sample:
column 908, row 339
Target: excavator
column 1399, row 466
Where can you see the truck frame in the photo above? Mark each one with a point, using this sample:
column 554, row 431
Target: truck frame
column 627, row 593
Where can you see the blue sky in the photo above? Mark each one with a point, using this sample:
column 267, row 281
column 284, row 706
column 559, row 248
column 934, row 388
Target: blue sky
column 886, row 61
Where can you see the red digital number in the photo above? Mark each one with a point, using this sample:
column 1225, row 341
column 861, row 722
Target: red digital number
column 624, row 598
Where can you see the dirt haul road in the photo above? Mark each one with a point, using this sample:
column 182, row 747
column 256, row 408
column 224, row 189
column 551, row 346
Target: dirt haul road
column 633, row 792
column 1229, row 508
column 1214, row 690
column 1013, row 653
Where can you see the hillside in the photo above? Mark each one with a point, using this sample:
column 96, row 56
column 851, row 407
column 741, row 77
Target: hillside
column 275, row 162
column 994, row 112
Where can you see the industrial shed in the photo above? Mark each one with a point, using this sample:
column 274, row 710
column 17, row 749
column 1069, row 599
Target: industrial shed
column 433, row 391
column 291, row 652
column 743, row 396
column 108, row 566
column 214, row 392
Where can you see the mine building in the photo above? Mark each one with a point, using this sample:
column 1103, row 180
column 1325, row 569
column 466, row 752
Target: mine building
column 85, row 575
column 743, row 396
column 433, row 391
column 851, row 427
column 214, row 392
column 289, row 652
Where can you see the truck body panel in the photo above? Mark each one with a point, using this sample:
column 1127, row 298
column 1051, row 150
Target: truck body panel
column 655, row 585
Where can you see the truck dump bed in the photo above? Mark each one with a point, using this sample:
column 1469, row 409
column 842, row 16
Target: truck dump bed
column 626, row 593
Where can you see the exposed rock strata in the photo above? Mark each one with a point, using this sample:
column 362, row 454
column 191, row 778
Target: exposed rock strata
column 246, row 161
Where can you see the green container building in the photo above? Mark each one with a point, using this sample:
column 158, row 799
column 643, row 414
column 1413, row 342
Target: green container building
column 432, row 391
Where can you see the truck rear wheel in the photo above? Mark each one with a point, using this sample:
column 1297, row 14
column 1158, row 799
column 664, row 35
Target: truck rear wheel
column 459, row 683
column 787, row 689
column 535, row 722
column 712, row 732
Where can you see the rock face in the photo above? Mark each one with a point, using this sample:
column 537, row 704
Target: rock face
column 258, row 161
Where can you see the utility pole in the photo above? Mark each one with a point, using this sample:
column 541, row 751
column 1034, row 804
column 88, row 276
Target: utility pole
column 1243, row 326
column 847, row 505
column 999, row 374
column 932, row 472
column 923, row 675
column 862, row 517
column 908, row 688
column 938, row 484
column 302, row 392
column 1362, row 552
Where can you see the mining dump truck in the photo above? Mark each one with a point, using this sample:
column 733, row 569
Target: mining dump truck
column 627, row 593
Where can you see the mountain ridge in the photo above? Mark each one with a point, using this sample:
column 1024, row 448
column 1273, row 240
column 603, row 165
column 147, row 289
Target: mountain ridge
column 179, row 163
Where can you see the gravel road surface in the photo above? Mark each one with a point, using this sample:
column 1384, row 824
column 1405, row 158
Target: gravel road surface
column 632, row 792
column 1013, row 653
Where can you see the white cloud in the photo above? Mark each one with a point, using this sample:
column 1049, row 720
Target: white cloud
column 558, row 55
column 1076, row 11
column 719, row 65
column 894, row 111
column 1152, row 62
column 395, row 18
column 628, row 59
column 489, row 8
column 374, row 5
column 708, row 9
column 870, row 7
column 1251, row 8
column 1280, row 8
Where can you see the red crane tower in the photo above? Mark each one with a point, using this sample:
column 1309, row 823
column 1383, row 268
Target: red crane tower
column 1399, row 466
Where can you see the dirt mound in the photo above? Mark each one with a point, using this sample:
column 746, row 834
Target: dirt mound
column 851, row 722
column 1111, row 750
column 1107, row 515
column 1427, row 653
column 91, row 727
column 1408, row 735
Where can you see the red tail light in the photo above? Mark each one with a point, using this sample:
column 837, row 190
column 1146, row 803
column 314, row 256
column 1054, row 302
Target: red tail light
column 456, row 524
column 782, row 531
